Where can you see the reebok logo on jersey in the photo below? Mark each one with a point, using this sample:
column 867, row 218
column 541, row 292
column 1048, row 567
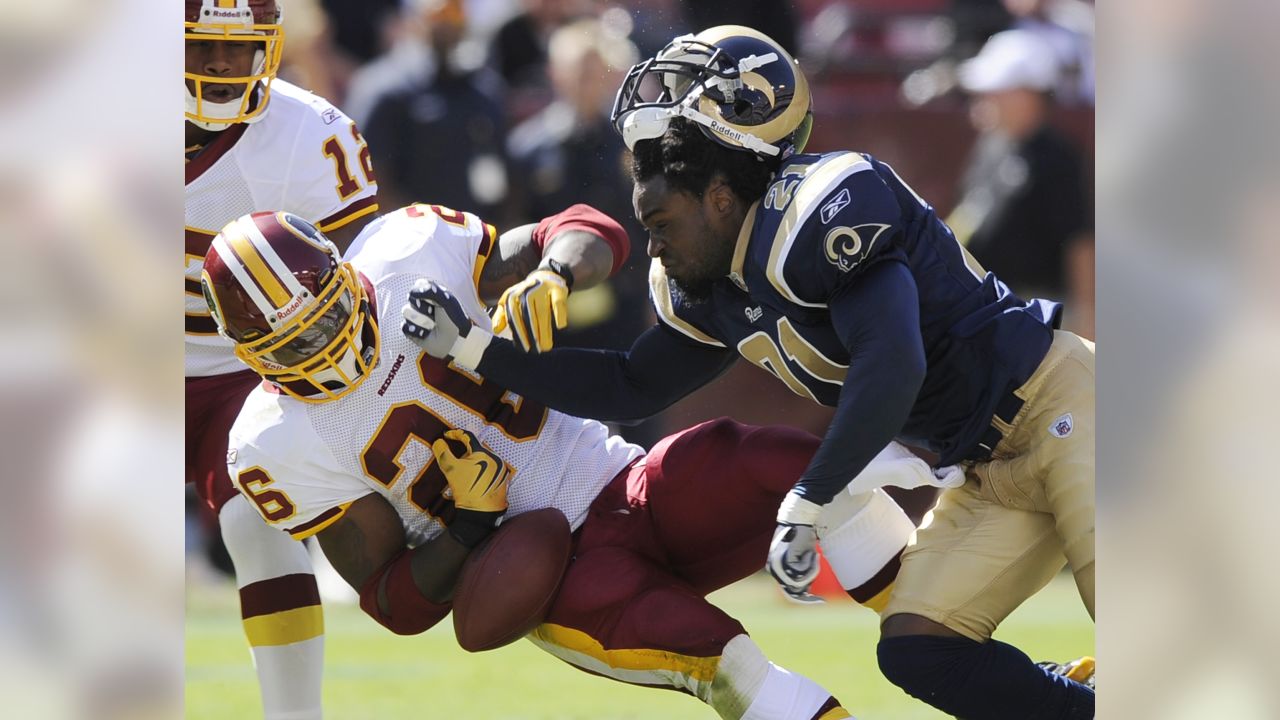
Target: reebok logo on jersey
column 753, row 313
column 395, row 368
column 329, row 116
column 834, row 205
column 231, row 456
column 1062, row 427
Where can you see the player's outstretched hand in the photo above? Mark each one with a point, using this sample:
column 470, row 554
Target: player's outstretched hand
column 436, row 322
column 477, row 480
column 533, row 304
column 793, row 553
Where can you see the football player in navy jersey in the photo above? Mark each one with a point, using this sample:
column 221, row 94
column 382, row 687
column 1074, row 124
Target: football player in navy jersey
column 831, row 273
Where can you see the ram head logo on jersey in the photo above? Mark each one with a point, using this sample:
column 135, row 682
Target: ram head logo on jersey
column 848, row 246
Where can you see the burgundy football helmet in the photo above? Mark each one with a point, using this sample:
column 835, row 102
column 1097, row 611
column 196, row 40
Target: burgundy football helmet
column 298, row 315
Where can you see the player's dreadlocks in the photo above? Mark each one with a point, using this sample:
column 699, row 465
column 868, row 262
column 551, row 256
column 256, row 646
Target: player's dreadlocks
column 689, row 160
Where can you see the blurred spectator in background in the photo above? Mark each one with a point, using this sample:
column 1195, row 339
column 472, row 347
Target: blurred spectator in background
column 518, row 50
column 1066, row 26
column 329, row 39
column 964, row 28
column 652, row 22
column 441, row 139
column 569, row 153
column 775, row 17
column 974, row 22
column 1023, row 211
column 359, row 26
column 408, row 64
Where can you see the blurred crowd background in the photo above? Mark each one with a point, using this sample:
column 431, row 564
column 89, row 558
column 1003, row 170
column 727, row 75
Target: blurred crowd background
column 91, row 538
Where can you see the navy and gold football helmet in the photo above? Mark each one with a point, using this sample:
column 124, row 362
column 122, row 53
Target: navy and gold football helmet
column 741, row 88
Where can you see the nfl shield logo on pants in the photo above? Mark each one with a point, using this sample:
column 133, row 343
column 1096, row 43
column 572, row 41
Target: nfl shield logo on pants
column 1061, row 427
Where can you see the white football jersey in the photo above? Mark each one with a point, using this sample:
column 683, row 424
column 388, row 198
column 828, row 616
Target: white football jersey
column 304, row 156
column 303, row 464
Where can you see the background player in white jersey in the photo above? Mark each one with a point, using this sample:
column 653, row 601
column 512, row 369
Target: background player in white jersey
column 255, row 142
column 350, row 441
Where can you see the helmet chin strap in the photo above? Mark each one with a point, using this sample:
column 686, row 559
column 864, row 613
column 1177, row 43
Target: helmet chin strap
column 650, row 122
column 229, row 110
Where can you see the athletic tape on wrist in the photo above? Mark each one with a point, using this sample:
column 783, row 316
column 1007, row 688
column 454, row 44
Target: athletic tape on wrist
column 468, row 350
column 795, row 510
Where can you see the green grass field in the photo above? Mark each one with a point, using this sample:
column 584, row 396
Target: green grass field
column 371, row 674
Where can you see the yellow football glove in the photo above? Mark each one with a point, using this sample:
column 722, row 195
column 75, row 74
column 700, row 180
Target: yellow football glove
column 477, row 477
column 532, row 304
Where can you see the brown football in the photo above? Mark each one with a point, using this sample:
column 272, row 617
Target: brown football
column 508, row 582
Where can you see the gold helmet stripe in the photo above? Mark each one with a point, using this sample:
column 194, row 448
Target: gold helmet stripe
column 279, row 269
column 783, row 125
column 236, row 266
column 237, row 237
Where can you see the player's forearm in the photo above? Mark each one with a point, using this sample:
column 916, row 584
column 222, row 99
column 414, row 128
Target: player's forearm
column 878, row 320
column 868, row 417
column 436, row 566
column 581, row 382
column 592, row 244
column 587, row 256
column 606, row 384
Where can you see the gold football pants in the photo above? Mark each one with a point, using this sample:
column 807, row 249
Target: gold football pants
column 992, row 543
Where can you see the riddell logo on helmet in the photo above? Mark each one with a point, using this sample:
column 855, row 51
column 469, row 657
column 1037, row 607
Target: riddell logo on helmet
column 721, row 129
column 227, row 14
column 289, row 309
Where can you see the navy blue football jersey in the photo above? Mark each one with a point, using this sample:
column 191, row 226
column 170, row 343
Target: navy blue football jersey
column 826, row 219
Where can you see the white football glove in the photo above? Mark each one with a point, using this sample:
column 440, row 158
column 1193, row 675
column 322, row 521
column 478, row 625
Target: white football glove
column 436, row 322
column 793, row 553
column 897, row 466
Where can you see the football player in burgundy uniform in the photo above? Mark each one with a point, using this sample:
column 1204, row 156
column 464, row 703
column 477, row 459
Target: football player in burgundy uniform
column 255, row 142
column 400, row 462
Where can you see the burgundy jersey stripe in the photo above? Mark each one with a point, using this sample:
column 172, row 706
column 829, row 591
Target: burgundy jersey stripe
column 347, row 211
column 828, row 706
column 225, row 141
column 323, row 517
column 201, row 324
column 879, row 581
column 198, row 241
column 486, row 241
column 278, row 594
